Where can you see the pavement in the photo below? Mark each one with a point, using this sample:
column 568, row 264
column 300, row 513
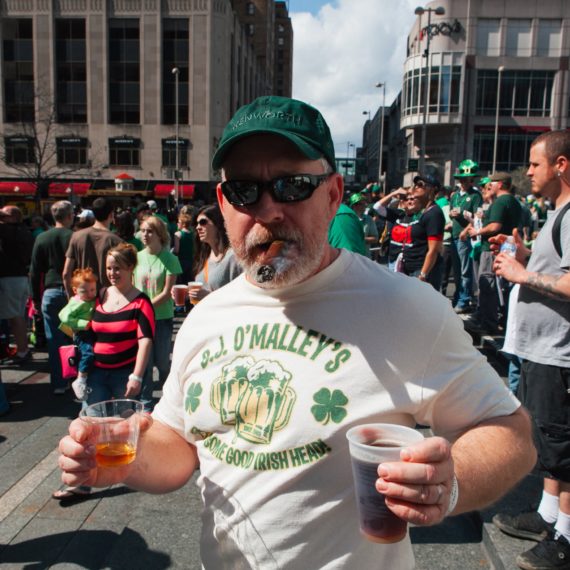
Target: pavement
column 121, row 528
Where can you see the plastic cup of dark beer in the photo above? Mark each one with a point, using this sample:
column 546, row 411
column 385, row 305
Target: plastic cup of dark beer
column 370, row 445
column 180, row 292
column 115, row 432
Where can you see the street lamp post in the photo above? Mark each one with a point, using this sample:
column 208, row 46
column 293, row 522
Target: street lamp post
column 176, row 73
column 419, row 11
column 367, row 142
column 500, row 73
column 381, row 142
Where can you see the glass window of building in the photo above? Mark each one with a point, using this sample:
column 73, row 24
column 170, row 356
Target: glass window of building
column 175, row 53
column 519, row 37
column 19, row 150
column 70, row 71
column 71, row 151
column 124, row 71
column 250, row 8
column 489, row 36
column 513, row 147
column 18, row 70
column 525, row 93
column 124, row 151
column 169, row 152
column 549, row 38
column 444, row 89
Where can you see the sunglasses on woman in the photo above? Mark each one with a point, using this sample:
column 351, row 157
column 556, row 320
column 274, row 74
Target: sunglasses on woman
column 294, row 188
column 202, row 222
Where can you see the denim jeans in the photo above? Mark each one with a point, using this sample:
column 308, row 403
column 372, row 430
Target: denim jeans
column 85, row 341
column 107, row 383
column 53, row 301
column 159, row 357
column 462, row 272
column 4, row 405
column 514, row 374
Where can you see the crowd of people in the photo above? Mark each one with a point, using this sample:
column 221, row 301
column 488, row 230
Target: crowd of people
column 296, row 265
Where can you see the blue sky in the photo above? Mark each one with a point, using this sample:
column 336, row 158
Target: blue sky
column 341, row 49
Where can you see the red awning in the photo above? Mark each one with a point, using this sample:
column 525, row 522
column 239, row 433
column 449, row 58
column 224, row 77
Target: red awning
column 17, row 188
column 165, row 190
column 65, row 189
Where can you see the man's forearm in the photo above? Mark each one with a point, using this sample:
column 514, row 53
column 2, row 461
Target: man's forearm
column 491, row 458
column 165, row 461
column 552, row 286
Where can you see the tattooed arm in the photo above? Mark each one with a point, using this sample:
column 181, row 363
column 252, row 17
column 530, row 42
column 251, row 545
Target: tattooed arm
column 552, row 286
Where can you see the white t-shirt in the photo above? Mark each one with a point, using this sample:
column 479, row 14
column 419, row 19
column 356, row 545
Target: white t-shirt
column 267, row 383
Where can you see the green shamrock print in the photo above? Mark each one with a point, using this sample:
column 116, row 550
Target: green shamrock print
column 193, row 397
column 329, row 406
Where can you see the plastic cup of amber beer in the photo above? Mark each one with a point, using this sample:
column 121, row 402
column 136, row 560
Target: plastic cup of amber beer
column 180, row 292
column 370, row 445
column 192, row 285
column 115, row 430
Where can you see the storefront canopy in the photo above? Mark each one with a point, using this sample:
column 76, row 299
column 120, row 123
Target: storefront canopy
column 67, row 189
column 165, row 190
column 18, row 188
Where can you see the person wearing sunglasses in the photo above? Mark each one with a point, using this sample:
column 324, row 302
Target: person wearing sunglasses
column 214, row 261
column 270, row 371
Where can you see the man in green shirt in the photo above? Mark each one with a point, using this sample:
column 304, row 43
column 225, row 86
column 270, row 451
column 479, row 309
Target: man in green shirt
column 346, row 231
column 467, row 198
column 503, row 216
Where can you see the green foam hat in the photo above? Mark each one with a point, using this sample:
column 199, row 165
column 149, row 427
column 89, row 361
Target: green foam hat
column 355, row 198
column 467, row 169
column 484, row 181
column 294, row 120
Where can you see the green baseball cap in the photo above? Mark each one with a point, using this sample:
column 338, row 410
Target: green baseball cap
column 355, row 198
column 484, row 181
column 298, row 122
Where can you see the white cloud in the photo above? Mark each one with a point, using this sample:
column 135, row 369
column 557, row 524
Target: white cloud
column 341, row 52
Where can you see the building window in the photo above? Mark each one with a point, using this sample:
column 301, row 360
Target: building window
column 280, row 28
column 71, row 151
column 280, row 41
column 18, row 70
column 70, row 70
column 488, row 36
column 175, row 53
column 19, row 150
column 250, row 29
column 518, row 38
column 124, row 71
column 549, row 38
column 444, row 90
column 523, row 93
column 169, row 153
column 250, row 9
column 513, row 146
column 124, row 151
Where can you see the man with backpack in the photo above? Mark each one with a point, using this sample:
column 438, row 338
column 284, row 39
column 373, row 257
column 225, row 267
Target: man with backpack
column 543, row 342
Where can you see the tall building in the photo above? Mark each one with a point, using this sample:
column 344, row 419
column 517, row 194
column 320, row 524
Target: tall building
column 127, row 89
column 485, row 58
column 283, row 76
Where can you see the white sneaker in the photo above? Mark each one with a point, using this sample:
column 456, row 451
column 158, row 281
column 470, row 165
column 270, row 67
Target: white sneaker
column 79, row 386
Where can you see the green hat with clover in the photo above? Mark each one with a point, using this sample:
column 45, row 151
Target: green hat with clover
column 467, row 169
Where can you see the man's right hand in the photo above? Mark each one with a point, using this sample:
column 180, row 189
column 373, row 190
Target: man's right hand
column 523, row 252
column 77, row 457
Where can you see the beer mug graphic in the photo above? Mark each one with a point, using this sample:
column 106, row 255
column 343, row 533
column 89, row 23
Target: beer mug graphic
column 227, row 390
column 266, row 403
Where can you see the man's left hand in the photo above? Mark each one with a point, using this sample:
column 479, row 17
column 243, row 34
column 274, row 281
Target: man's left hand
column 509, row 268
column 418, row 487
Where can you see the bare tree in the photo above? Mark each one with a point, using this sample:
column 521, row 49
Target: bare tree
column 521, row 181
column 40, row 135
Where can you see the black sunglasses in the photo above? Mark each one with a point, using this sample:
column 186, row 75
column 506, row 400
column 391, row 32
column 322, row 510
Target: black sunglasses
column 294, row 188
column 202, row 222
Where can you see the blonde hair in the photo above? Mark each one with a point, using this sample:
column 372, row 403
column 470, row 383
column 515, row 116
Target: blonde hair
column 159, row 228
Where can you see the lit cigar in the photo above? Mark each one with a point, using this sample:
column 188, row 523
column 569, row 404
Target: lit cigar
column 267, row 272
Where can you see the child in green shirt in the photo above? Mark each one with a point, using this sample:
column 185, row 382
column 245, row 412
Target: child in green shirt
column 75, row 320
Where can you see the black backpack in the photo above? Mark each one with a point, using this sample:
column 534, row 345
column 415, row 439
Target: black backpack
column 556, row 229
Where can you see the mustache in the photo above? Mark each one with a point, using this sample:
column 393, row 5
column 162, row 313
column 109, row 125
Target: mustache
column 262, row 235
